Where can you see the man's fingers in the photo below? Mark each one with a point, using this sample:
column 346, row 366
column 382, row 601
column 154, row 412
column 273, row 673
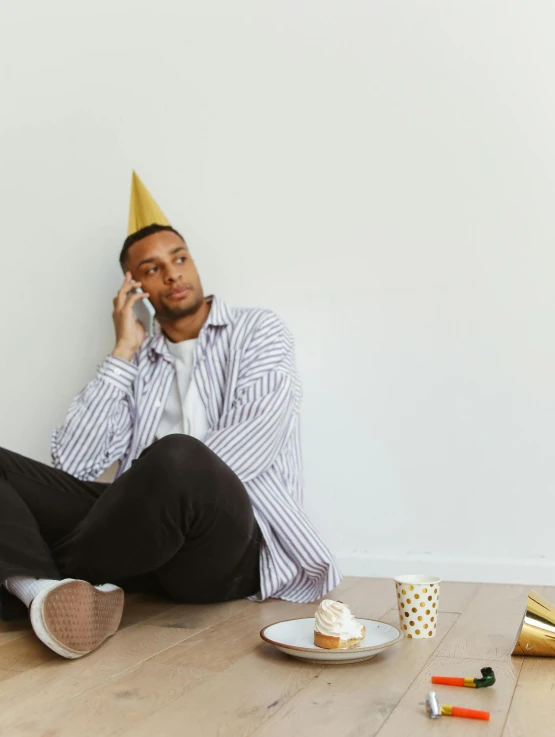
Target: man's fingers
column 120, row 308
column 127, row 287
column 130, row 301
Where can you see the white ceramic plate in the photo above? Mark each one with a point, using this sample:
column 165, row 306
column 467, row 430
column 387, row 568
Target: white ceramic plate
column 296, row 637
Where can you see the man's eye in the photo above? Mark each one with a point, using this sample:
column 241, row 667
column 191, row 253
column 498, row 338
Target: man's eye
column 152, row 270
column 181, row 258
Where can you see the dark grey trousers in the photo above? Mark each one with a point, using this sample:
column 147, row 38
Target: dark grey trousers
column 178, row 521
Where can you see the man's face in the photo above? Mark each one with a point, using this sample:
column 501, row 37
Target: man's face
column 163, row 265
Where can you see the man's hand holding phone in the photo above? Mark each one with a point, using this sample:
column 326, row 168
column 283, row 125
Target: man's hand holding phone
column 130, row 333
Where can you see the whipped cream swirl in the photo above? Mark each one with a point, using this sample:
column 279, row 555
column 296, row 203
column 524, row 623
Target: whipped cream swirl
column 334, row 618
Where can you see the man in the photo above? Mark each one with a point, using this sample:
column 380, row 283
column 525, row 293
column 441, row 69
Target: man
column 204, row 419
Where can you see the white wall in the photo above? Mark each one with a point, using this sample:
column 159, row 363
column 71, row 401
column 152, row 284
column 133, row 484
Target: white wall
column 380, row 173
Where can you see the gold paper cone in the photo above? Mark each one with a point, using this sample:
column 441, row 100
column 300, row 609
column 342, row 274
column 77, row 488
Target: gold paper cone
column 143, row 210
column 537, row 632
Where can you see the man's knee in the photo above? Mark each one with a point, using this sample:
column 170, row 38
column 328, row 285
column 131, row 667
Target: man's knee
column 185, row 465
column 181, row 456
column 177, row 449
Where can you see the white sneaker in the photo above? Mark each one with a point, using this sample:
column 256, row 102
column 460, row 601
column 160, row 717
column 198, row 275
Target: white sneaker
column 73, row 617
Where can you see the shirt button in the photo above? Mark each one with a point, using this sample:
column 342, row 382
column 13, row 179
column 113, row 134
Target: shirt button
column 157, row 403
column 117, row 372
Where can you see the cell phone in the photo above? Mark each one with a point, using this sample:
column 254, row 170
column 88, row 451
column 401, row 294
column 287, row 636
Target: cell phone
column 145, row 313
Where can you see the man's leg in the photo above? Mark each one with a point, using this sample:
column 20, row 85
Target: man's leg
column 39, row 504
column 179, row 512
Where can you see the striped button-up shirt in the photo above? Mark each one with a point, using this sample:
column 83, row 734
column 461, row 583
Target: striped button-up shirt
column 246, row 377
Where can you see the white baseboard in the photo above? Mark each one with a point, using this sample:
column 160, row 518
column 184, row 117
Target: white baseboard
column 526, row 571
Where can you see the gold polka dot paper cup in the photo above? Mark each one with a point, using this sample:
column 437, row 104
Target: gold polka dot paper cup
column 418, row 602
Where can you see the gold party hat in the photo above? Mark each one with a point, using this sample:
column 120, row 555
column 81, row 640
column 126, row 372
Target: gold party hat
column 143, row 210
column 536, row 635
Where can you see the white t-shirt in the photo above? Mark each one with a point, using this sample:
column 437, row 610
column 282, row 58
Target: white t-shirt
column 184, row 411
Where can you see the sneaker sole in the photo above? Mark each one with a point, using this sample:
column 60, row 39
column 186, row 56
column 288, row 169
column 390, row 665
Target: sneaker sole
column 73, row 617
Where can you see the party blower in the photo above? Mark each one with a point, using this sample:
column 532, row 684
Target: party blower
column 435, row 710
column 487, row 679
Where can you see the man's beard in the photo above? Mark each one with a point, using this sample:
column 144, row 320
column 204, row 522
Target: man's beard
column 175, row 313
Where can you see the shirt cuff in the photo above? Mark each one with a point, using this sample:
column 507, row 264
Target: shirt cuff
column 118, row 372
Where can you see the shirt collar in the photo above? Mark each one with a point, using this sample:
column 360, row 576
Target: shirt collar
column 219, row 316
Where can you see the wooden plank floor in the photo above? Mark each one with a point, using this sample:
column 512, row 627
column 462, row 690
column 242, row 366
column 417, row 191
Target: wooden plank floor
column 203, row 671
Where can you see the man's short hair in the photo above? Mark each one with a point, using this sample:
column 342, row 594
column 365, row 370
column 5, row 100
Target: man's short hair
column 139, row 235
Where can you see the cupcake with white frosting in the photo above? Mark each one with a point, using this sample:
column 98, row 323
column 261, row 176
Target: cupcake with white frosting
column 335, row 627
